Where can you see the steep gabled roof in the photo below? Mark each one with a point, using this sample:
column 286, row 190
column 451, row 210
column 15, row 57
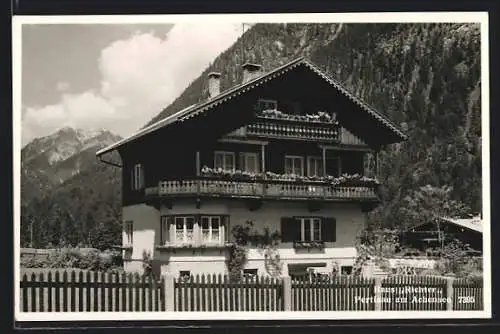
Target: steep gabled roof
column 200, row 108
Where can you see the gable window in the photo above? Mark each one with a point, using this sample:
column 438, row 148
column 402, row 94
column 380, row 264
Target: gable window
column 128, row 228
column 314, row 166
column 294, row 165
column 249, row 162
column 137, row 181
column 224, row 160
column 183, row 229
column 210, row 229
column 268, row 104
column 308, row 229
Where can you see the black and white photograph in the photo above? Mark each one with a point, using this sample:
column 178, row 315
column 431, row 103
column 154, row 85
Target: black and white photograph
column 306, row 166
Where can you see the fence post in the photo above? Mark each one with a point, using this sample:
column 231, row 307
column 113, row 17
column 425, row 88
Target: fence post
column 377, row 289
column 449, row 293
column 287, row 293
column 169, row 289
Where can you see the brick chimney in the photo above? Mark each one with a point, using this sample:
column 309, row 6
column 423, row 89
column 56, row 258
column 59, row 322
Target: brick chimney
column 250, row 71
column 213, row 84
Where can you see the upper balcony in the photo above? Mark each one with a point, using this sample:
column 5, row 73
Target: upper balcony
column 320, row 127
column 276, row 124
column 268, row 186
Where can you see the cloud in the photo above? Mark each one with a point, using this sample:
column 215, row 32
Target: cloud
column 62, row 86
column 139, row 77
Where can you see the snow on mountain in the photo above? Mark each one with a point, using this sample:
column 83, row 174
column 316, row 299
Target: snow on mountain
column 53, row 159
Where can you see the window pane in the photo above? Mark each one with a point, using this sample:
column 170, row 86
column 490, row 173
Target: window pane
column 189, row 223
column 179, row 223
column 250, row 164
column 307, row 229
column 215, row 223
column 317, row 229
column 204, row 223
column 219, row 161
column 229, row 163
column 297, row 166
column 288, row 166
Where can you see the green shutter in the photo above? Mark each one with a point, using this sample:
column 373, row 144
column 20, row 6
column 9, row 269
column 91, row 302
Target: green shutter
column 329, row 229
column 290, row 229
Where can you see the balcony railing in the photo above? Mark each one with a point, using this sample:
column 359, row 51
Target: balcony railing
column 261, row 189
column 291, row 130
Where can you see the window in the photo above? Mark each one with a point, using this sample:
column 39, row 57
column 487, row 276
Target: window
column 128, row 227
column 210, row 229
column 249, row 162
column 268, row 104
column 184, row 275
column 346, row 270
column 224, row 160
column 137, row 177
column 294, row 165
column 310, row 229
column 314, row 166
column 250, row 273
column 183, row 229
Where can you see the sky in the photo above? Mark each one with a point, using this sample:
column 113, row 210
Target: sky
column 111, row 76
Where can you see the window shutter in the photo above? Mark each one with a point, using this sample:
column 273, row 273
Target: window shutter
column 329, row 229
column 290, row 229
column 227, row 230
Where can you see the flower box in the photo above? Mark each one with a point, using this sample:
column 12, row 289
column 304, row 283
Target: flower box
column 308, row 244
column 345, row 180
column 319, row 117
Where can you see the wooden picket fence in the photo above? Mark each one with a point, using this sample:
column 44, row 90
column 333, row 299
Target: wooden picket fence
column 467, row 296
column 90, row 292
column 99, row 292
column 319, row 293
column 216, row 293
column 414, row 293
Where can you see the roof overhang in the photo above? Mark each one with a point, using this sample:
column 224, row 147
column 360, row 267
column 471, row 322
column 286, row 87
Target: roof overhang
column 373, row 118
column 471, row 224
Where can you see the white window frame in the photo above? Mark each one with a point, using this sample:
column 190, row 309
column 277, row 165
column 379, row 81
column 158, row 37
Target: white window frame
column 310, row 221
column 128, row 229
column 265, row 102
column 319, row 168
column 137, row 177
column 224, row 155
column 243, row 161
column 211, row 220
column 184, row 229
column 293, row 158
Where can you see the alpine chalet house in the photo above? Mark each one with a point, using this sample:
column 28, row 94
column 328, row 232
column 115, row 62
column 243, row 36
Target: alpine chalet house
column 291, row 151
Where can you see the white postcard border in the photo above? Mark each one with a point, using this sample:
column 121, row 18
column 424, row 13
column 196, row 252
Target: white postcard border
column 385, row 17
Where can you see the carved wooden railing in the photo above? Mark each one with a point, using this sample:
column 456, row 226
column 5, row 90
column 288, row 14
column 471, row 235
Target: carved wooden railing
column 262, row 189
column 293, row 130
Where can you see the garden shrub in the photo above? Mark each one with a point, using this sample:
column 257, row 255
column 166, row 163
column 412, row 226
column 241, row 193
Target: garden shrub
column 74, row 258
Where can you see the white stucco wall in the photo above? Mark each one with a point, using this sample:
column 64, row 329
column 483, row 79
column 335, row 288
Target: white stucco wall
column 350, row 220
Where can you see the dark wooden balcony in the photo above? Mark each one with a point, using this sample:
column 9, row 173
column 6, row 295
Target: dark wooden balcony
column 264, row 189
column 309, row 132
column 285, row 126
